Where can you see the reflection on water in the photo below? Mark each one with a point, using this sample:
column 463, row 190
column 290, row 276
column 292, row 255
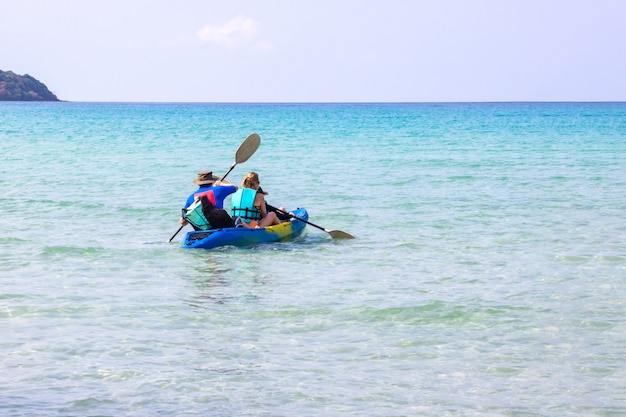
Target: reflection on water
column 219, row 280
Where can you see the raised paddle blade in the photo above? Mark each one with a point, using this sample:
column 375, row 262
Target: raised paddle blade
column 247, row 148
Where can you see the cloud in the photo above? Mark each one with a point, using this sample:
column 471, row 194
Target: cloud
column 239, row 32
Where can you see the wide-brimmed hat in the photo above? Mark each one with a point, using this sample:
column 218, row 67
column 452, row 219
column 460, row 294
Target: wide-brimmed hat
column 206, row 178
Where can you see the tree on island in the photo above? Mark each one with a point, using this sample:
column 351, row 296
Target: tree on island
column 14, row 87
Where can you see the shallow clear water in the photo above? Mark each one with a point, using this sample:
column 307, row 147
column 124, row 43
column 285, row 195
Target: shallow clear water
column 487, row 278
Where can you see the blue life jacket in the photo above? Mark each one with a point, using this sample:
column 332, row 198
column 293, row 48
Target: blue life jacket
column 242, row 205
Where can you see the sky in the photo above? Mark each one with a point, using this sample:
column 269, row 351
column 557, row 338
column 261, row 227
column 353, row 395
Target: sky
column 319, row 50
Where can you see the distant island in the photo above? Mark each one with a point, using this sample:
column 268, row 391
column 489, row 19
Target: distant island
column 14, row 87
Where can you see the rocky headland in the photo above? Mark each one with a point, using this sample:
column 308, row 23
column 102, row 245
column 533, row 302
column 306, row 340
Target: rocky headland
column 14, row 87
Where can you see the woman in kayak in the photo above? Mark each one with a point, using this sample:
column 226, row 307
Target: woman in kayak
column 249, row 204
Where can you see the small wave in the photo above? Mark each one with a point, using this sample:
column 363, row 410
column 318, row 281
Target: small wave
column 612, row 259
column 442, row 313
column 158, row 242
column 70, row 250
column 11, row 240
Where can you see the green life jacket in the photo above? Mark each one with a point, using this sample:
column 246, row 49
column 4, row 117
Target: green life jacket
column 242, row 205
column 203, row 215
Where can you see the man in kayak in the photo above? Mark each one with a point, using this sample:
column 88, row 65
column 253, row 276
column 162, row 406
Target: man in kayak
column 210, row 186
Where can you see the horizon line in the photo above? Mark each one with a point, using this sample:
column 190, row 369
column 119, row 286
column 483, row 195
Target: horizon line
column 323, row 102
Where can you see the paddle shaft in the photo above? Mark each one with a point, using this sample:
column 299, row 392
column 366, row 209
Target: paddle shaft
column 272, row 208
column 228, row 172
column 174, row 235
column 335, row 234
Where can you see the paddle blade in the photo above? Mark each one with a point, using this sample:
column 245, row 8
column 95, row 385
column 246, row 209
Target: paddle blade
column 247, row 148
column 339, row 234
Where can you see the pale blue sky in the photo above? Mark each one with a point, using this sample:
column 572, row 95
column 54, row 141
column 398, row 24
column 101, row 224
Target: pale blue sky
column 319, row 50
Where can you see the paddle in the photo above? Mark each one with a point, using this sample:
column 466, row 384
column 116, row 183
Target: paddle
column 247, row 148
column 335, row 234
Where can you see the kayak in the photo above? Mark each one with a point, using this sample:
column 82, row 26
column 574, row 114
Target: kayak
column 242, row 236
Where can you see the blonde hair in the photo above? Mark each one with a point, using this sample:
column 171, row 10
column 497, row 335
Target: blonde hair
column 251, row 179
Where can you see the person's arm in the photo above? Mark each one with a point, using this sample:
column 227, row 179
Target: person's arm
column 218, row 183
column 221, row 192
column 187, row 204
column 259, row 201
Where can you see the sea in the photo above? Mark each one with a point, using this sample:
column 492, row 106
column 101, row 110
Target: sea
column 487, row 277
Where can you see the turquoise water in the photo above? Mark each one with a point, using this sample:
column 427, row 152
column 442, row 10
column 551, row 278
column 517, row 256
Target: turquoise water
column 487, row 277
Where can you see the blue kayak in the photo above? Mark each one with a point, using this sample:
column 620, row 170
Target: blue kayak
column 242, row 236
